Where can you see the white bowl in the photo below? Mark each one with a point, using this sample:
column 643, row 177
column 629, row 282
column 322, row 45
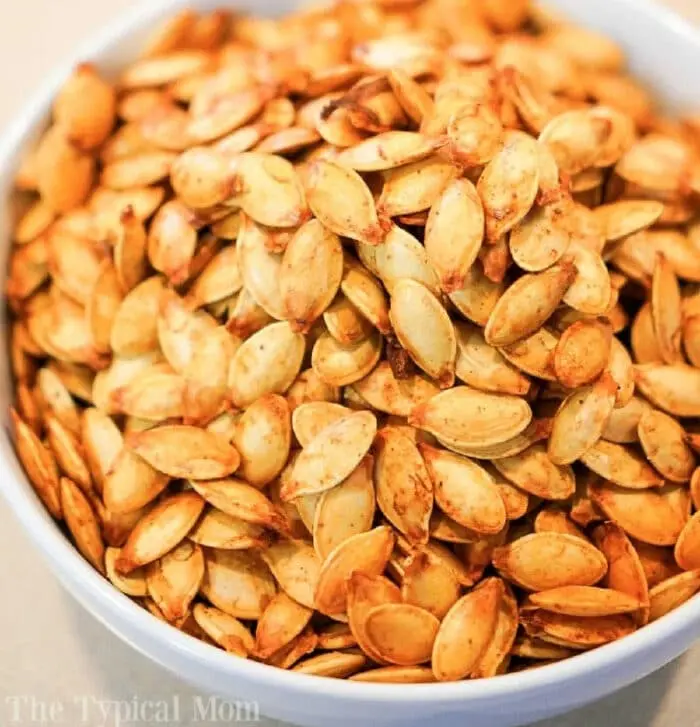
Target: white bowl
column 663, row 51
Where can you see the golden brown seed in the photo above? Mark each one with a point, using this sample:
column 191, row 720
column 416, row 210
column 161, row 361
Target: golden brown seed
column 263, row 439
column 404, row 489
column 296, row 566
column 672, row 388
column 366, row 294
column 663, row 441
column 342, row 202
column 310, row 274
column 384, row 392
column 575, row 631
column 466, row 631
column 225, row 630
column 82, row 523
column 401, row 633
column 64, row 173
column 365, row 553
column 533, row 471
column 671, row 593
column 508, row 185
column 483, row 366
column 174, row 580
column 582, row 352
column 282, row 620
column 216, row 529
column 547, row 560
column 400, row 256
column 160, row 530
column 243, row 501
column 527, row 304
column 39, row 464
column 185, row 451
column 655, row 516
column 465, row 491
column 666, row 314
column 580, row 420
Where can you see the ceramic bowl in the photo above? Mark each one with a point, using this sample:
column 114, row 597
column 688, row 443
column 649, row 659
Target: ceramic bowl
column 663, row 51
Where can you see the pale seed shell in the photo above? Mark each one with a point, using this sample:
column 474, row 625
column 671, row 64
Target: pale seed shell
column 454, row 233
column 310, row 274
column 424, row 329
column 263, row 439
column 332, row 455
column 225, row 630
column 340, row 364
column 366, row 294
column 238, row 583
column 467, row 417
column 267, row 362
column 342, row 202
column 345, row 510
column 483, row 366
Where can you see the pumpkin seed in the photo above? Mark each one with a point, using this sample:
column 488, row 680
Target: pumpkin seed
column 404, row 489
column 547, row 560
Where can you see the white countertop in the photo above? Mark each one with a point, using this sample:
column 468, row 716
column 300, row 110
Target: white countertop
column 57, row 664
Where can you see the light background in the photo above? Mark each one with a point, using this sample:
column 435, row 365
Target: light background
column 49, row 646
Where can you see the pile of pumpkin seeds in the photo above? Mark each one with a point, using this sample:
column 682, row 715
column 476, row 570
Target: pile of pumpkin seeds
column 365, row 342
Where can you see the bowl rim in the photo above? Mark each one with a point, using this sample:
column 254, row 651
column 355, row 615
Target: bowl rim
column 67, row 562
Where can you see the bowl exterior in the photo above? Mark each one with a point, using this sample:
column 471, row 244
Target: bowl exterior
column 663, row 51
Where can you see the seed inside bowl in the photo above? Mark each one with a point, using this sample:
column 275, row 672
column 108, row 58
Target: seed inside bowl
column 365, row 342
